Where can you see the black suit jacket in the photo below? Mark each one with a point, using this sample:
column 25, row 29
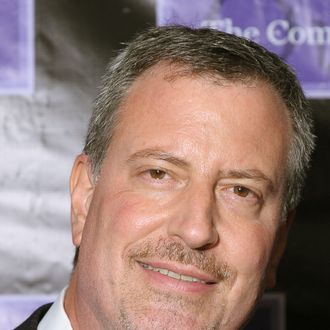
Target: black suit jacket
column 32, row 322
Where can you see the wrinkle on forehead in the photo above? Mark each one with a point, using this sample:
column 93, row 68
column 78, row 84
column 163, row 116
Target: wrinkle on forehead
column 195, row 111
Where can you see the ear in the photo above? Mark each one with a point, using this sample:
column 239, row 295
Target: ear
column 278, row 249
column 81, row 189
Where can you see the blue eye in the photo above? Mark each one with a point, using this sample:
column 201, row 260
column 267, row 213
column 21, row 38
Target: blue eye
column 157, row 174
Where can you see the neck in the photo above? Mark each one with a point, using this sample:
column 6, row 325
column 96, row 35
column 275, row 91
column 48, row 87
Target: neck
column 70, row 301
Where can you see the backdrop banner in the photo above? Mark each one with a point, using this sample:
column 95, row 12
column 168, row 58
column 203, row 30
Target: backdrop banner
column 297, row 30
column 16, row 46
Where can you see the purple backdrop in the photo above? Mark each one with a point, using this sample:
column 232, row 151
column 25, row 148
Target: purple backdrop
column 16, row 46
column 297, row 30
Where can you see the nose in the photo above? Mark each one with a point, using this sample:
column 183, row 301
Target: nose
column 194, row 221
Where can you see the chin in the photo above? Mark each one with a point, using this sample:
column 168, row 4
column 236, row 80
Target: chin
column 150, row 320
column 176, row 318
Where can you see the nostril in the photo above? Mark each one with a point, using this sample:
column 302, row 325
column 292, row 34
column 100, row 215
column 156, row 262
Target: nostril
column 210, row 245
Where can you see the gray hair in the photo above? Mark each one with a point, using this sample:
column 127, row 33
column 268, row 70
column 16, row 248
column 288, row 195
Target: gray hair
column 203, row 52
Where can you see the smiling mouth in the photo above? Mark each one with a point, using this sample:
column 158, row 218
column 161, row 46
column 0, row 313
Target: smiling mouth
column 174, row 275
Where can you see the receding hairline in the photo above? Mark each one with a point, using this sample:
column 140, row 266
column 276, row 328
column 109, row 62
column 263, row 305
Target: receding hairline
column 175, row 69
column 172, row 70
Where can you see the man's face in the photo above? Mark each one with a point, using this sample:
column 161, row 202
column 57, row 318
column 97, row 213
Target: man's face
column 184, row 222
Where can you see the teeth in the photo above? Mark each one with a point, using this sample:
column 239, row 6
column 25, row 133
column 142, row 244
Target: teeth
column 164, row 271
column 174, row 275
column 186, row 278
column 171, row 274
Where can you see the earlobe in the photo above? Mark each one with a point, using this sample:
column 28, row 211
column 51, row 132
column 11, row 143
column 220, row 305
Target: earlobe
column 278, row 250
column 81, row 189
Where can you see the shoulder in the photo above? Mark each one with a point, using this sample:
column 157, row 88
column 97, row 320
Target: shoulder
column 34, row 319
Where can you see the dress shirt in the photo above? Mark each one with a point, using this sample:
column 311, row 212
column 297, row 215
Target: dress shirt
column 56, row 318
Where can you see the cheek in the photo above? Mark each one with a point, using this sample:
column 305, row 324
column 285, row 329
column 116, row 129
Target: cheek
column 129, row 217
column 248, row 249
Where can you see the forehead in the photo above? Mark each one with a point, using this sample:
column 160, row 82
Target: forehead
column 164, row 87
column 167, row 72
column 202, row 120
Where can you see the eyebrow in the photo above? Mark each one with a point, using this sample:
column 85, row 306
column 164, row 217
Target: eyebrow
column 248, row 174
column 159, row 155
column 252, row 174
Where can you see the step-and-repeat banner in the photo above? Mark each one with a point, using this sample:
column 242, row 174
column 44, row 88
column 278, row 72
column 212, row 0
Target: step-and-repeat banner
column 16, row 47
column 297, row 30
column 45, row 128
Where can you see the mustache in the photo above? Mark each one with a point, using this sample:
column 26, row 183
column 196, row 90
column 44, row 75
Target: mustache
column 177, row 252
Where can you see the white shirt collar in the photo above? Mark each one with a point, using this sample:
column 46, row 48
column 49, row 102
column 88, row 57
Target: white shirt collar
column 56, row 317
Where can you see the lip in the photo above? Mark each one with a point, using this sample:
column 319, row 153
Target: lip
column 161, row 280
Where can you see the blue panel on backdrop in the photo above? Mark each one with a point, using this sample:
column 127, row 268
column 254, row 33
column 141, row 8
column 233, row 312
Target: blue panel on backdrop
column 16, row 46
column 297, row 30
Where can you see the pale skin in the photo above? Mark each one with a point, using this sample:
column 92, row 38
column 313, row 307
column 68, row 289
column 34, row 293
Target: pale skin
column 194, row 168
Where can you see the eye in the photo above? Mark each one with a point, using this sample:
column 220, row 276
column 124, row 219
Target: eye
column 241, row 191
column 157, row 174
